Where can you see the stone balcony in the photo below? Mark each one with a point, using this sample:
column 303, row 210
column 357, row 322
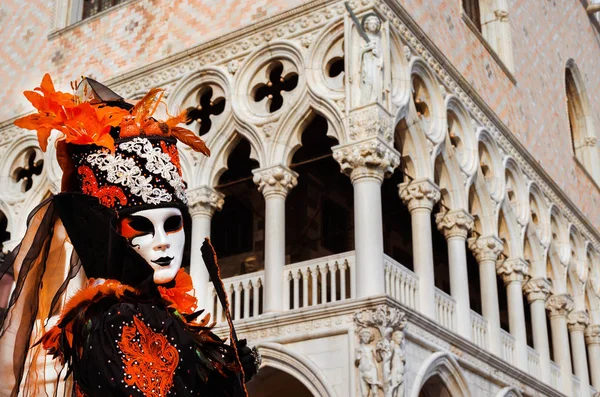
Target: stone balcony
column 319, row 305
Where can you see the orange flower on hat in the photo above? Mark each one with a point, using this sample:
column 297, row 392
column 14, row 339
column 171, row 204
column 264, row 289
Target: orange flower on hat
column 80, row 123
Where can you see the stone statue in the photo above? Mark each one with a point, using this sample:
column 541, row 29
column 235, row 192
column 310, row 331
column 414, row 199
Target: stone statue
column 367, row 368
column 389, row 352
column 371, row 61
column 398, row 362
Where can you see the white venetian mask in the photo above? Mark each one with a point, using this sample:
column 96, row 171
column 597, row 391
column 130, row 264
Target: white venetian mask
column 157, row 235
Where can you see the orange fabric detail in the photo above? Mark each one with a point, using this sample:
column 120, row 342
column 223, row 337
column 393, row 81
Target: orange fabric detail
column 172, row 151
column 107, row 194
column 78, row 391
column 80, row 123
column 179, row 295
column 149, row 359
column 93, row 293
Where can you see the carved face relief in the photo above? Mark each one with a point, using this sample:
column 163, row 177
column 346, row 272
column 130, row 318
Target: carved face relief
column 372, row 24
column 158, row 236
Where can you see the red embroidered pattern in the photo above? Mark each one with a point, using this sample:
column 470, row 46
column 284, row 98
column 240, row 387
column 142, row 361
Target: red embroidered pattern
column 107, row 195
column 172, row 151
column 149, row 359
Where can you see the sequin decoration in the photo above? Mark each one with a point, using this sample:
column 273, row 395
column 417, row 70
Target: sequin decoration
column 107, row 194
column 149, row 360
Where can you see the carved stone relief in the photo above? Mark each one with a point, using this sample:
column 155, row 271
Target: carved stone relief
column 380, row 357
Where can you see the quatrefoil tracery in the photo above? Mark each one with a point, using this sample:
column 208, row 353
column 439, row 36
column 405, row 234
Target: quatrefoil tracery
column 281, row 81
column 23, row 175
column 209, row 106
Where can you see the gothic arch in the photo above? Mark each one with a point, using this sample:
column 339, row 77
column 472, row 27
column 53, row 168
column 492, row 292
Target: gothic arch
column 445, row 366
column 328, row 47
column 287, row 138
column 490, row 163
column 539, row 214
column 461, row 135
column 534, row 252
column 285, row 359
column 482, row 207
column 516, row 190
column 190, row 87
column 429, row 89
column 509, row 232
column 448, row 176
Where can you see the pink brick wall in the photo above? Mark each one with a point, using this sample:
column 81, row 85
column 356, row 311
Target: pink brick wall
column 545, row 34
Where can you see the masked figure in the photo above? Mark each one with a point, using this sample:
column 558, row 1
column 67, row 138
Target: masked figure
column 134, row 330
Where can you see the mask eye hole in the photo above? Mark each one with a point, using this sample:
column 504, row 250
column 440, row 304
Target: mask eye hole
column 134, row 226
column 173, row 224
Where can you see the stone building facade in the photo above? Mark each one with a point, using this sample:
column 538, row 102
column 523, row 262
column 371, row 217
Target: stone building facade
column 457, row 253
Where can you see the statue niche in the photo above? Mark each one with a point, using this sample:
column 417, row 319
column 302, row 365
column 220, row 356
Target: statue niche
column 370, row 60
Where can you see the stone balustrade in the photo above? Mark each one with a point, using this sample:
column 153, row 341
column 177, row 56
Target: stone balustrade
column 508, row 347
column 319, row 281
column 555, row 375
column 533, row 362
column 479, row 329
column 445, row 310
column 400, row 283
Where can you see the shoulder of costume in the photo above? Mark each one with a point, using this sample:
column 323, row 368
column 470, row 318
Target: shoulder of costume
column 78, row 309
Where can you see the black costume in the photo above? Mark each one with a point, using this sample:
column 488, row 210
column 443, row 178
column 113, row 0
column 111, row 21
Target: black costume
column 123, row 334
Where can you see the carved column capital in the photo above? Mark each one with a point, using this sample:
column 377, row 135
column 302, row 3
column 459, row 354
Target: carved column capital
column 485, row 248
column 578, row 321
column 276, row 180
column 455, row 223
column 537, row 289
column 513, row 269
column 592, row 334
column 371, row 158
column 420, row 193
column 205, row 201
column 559, row 305
column 369, row 122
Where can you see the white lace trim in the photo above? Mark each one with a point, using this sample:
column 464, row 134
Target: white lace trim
column 157, row 162
column 125, row 172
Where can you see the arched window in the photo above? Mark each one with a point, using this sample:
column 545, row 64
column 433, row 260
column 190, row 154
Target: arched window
column 489, row 18
column 471, row 9
column 583, row 137
column 93, row 7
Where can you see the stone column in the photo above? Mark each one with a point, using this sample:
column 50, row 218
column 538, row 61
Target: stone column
column 420, row 196
column 577, row 323
column 367, row 163
column 513, row 272
column 203, row 202
column 592, row 339
column 455, row 225
column 274, row 183
column 486, row 251
column 559, row 307
column 537, row 291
